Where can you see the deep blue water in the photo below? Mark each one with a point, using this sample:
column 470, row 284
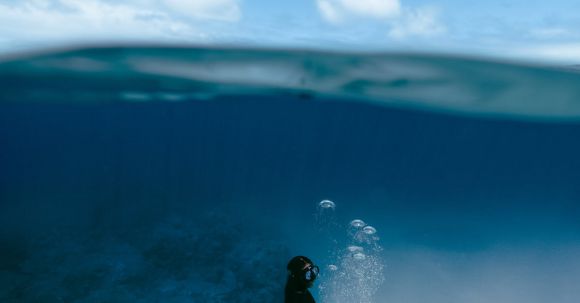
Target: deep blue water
column 150, row 198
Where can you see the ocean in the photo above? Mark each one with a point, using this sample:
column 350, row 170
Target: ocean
column 179, row 174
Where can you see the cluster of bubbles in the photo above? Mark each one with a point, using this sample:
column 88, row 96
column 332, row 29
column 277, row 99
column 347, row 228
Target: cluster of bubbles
column 357, row 252
column 361, row 233
column 356, row 272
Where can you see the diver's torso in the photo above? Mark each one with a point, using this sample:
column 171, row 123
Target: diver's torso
column 303, row 296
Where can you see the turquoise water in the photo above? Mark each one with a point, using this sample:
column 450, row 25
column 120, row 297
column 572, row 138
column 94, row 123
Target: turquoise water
column 149, row 174
column 441, row 83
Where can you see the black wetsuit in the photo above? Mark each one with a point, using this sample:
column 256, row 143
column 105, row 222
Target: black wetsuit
column 296, row 293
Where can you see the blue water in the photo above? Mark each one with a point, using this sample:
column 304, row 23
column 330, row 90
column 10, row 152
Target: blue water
column 194, row 175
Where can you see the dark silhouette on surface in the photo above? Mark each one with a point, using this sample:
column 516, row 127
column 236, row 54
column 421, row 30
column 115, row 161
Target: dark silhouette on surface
column 301, row 275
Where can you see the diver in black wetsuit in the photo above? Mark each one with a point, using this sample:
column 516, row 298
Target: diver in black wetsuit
column 301, row 275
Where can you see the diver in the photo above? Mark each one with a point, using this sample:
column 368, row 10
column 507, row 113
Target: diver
column 301, row 275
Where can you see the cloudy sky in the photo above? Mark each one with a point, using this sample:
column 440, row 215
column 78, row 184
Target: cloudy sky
column 528, row 29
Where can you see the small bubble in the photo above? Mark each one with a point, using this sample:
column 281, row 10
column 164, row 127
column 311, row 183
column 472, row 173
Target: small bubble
column 369, row 230
column 359, row 256
column 326, row 204
column 332, row 267
column 354, row 248
column 357, row 223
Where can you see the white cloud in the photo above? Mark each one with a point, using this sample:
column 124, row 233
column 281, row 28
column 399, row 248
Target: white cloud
column 329, row 11
column 403, row 22
column 86, row 19
column 222, row 10
column 552, row 33
column 422, row 22
column 335, row 11
column 372, row 8
column 557, row 52
column 34, row 23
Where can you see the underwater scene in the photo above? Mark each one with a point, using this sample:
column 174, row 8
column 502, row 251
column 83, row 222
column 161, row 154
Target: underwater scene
column 178, row 174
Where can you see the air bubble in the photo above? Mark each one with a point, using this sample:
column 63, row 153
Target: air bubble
column 359, row 256
column 332, row 267
column 327, row 204
column 357, row 223
column 354, row 248
column 369, row 230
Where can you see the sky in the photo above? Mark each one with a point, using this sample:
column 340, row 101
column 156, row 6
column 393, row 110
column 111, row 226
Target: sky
column 523, row 29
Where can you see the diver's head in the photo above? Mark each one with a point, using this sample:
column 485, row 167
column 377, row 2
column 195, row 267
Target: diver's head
column 302, row 271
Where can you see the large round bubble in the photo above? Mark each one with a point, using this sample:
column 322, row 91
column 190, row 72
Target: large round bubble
column 357, row 223
column 327, row 204
column 369, row 230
